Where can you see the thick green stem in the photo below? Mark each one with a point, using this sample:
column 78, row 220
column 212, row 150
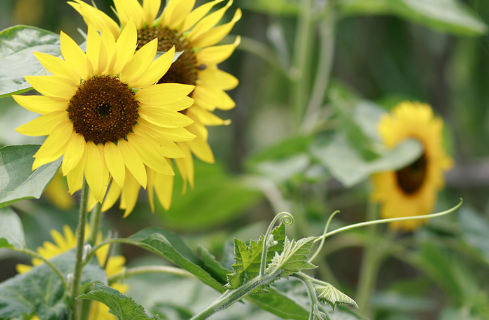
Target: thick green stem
column 302, row 52
column 370, row 265
column 77, row 274
column 95, row 218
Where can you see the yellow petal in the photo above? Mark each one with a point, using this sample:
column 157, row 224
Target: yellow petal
column 217, row 54
column 95, row 17
column 186, row 164
column 93, row 49
column 138, row 65
column 125, row 46
column 213, row 96
column 150, row 154
column 207, row 23
column 151, row 184
column 115, row 162
column 200, row 148
column 129, row 194
column 44, row 124
column 108, row 42
column 156, row 70
column 164, row 146
column 198, row 14
column 164, row 189
column 54, row 145
column 213, row 77
column 163, row 93
column 172, row 15
column 133, row 162
column 174, row 134
column 177, row 105
column 199, row 114
column 164, row 118
column 75, row 148
column 52, row 86
column 150, row 8
column 94, row 171
column 112, row 196
column 91, row 201
column 130, row 10
column 41, row 104
column 57, row 67
column 215, row 35
column 75, row 176
column 74, row 56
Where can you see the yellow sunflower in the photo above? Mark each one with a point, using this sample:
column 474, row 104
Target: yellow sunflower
column 67, row 241
column 411, row 190
column 195, row 33
column 102, row 112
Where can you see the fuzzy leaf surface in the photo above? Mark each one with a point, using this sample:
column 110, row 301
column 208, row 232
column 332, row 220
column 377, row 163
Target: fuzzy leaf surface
column 11, row 230
column 327, row 293
column 294, row 257
column 121, row 306
column 41, row 292
column 17, row 180
column 248, row 257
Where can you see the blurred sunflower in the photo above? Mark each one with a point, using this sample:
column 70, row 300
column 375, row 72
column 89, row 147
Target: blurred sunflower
column 102, row 112
column 411, row 190
column 195, row 33
column 67, row 241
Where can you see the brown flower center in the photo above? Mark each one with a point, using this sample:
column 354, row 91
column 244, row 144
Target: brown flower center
column 103, row 109
column 411, row 178
column 184, row 69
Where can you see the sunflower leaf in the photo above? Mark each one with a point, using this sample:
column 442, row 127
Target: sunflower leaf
column 11, row 230
column 327, row 293
column 294, row 257
column 39, row 291
column 17, row 59
column 123, row 307
column 248, row 257
column 17, row 180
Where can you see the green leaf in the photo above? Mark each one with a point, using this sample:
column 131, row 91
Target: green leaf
column 279, row 304
column 212, row 265
column 17, row 59
column 168, row 245
column 11, row 230
column 248, row 257
column 17, row 180
column 275, row 7
column 121, row 306
column 293, row 258
column 346, row 165
column 451, row 16
column 41, row 292
column 327, row 293
column 475, row 231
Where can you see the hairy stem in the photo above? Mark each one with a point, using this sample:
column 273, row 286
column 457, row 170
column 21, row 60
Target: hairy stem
column 95, row 218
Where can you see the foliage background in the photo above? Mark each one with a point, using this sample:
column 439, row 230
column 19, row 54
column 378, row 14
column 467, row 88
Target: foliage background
column 383, row 58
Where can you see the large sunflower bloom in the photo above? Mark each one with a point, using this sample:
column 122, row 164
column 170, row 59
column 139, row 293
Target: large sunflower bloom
column 411, row 190
column 195, row 33
column 102, row 112
column 67, row 241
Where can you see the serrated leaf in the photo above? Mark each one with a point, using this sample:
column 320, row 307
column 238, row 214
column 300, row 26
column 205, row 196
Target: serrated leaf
column 279, row 304
column 121, row 306
column 212, row 264
column 327, row 293
column 293, row 258
column 170, row 246
column 41, row 292
column 248, row 257
column 17, row 180
column 17, row 59
column 11, row 230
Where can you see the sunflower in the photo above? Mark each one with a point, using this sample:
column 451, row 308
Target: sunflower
column 194, row 33
column 67, row 241
column 411, row 190
column 102, row 112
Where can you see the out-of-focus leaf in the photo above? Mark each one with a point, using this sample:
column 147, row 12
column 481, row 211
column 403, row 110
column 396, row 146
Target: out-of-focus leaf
column 17, row 180
column 475, row 231
column 17, row 59
column 123, row 307
column 346, row 165
column 217, row 198
column 11, row 230
column 41, row 292
column 450, row 16
column 274, row 7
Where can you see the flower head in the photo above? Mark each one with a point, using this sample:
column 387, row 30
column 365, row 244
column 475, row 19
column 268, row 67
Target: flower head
column 195, row 33
column 102, row 112
column 412, row 189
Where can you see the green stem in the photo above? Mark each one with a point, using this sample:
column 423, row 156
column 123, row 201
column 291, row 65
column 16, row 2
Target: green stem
column 149, row 269
column 302, row 50
column 77, row 274
column 370, row 264
column 95, row 218
column 50, row 264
